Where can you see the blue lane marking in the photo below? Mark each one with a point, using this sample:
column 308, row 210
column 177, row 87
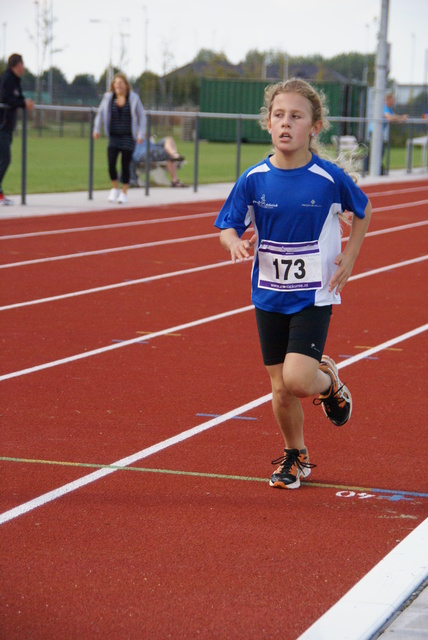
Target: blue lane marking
column 216, row 415
column 396, row 495
column 343, row 355
column 138, row 341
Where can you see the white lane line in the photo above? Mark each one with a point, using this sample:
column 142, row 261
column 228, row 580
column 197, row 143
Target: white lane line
column 130, row 460
column 402, row 227
column 407, row 205
column 185, row 435
column 376, row 597
column 125, row 343
column 98, row 252
column 84, row 254
column 390, row 267
column 136, row 223
column 103, row 227
column 393, row 192
column 150, row 336
column 172, row 274
column 117, row 285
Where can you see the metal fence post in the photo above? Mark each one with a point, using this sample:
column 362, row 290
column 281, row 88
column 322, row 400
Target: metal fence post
column 196, row 157
column 91, row 154
column 24, row 158
column 238, row 145
column 148, row 134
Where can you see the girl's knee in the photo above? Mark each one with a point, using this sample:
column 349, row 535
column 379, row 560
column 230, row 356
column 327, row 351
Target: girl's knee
column 281, row 396
column 297, row 385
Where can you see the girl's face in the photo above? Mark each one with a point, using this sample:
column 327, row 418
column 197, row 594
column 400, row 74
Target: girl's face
column 119, row 86
column 290, row 125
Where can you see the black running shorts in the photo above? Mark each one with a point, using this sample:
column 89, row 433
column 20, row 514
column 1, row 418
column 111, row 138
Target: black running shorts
column 304, row 332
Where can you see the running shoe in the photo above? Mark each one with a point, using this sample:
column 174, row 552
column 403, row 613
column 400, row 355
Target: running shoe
column 122, row 199
column 5, row 202
column 113, row 195
column 337, row 402
column 293, row 465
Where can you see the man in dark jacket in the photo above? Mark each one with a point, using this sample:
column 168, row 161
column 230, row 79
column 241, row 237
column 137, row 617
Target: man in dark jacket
column 11, row 98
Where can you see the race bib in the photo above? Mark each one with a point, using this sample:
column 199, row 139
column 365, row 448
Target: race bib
column 289, row 266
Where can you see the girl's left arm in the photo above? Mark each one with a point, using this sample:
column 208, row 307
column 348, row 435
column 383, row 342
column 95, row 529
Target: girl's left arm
column 345, row 260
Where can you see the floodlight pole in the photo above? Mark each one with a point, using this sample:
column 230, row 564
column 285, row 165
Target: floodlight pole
column 109, row 74
column 146, row 37
column 376, row 146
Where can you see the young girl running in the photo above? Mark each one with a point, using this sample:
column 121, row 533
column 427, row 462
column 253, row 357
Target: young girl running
column 293, row 200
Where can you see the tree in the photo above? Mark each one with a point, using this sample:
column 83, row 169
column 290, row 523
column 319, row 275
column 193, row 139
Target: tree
column 253, row 64
column 55, row 79
column 83, row 90
column 148, row 87
column 354, row 66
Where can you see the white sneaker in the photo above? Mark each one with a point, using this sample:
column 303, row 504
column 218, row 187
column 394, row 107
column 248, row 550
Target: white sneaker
column 5, row 202
column 122, row 199
column 113, row 195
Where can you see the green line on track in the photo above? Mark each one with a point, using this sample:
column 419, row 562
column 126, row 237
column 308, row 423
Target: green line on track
column 201, row 474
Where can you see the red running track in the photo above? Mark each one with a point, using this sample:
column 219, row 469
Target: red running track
column 189, row 541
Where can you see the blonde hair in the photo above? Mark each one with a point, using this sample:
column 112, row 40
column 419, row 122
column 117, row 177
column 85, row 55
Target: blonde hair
column 123, row 77
column 316, row 100
column 319, row 109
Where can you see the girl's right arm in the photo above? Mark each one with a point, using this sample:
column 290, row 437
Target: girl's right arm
column 237, row 247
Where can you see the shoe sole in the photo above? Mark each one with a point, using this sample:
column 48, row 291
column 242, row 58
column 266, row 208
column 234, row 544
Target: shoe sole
column 340, row 424
column 277, row 484
column 344, row 388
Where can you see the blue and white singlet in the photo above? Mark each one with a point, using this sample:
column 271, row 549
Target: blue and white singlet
column 294, row 214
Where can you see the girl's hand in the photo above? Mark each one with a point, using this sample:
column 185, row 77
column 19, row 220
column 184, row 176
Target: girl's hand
column 344, row 269
column 345, row 260
column 239, row 249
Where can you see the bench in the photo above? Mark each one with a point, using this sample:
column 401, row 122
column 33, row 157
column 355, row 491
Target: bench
column 344, row 144
column 352, row 149
column 158, row 173
column 411, row 143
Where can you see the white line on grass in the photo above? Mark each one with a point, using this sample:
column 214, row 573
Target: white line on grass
column 185, row 435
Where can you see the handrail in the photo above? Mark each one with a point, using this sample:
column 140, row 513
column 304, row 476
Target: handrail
column 197, row 115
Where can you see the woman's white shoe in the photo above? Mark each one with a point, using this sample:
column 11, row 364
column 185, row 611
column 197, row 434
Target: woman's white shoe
column 113, row 195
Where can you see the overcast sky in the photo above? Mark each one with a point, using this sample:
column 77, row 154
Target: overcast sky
column 169, row 33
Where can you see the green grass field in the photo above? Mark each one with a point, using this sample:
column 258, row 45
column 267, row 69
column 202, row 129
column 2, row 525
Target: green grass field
column 61, row 164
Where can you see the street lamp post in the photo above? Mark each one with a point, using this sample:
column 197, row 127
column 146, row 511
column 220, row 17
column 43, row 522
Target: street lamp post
column 376, row 146
column 146, row 37
column 4, row 40
column 109, row 74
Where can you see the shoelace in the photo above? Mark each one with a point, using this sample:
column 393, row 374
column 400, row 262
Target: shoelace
column 337, row 394
column 290, row 459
